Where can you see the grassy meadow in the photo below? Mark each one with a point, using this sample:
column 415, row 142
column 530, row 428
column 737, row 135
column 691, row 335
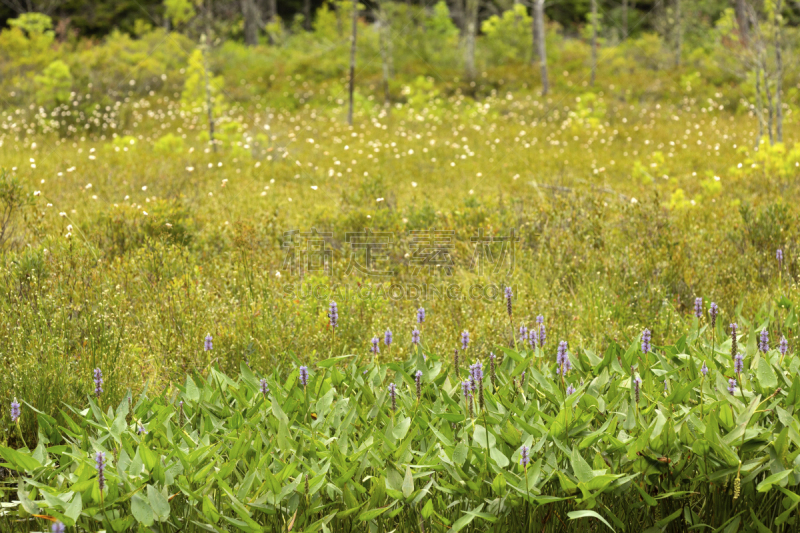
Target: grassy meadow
column 128, row 239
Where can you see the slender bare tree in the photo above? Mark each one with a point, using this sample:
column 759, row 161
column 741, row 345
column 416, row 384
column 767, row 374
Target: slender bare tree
column 678, row 33
column 307, row 14
column 252, row 21
column 742, row 20
column 383, row 37
column 778, row 71
column 539, row 44
column 594, row 41
column 624, row 19
column 353, row 61
column 470, row 34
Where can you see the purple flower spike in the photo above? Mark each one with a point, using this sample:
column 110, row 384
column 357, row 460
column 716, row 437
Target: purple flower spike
column 779, row 255
column 783, row 346
column 698, row 307
column 304, row 376
column 100, row 465
column 415, row 337
column 704, row 369
column 264, row 387
column 393, row 395
column 523, row 334
column 58, row 527
column 464, row 340
column 646, row 338
column 418, row 383
column 524, row 459
column 98, row 382
column 763, row 342
column 207, row 344
column 466, row 387
column 713, row 311
column 562, row 359
column 732, row 385
column 509, row 294
column 734, row 339
column 15, row 411
column 570, row 390
column 333, row 315
column 542, row 332
column 738, row 363
column 420, row 315
column 637, row 385
column 387, row 337
column 141, row 429
column 375, row 348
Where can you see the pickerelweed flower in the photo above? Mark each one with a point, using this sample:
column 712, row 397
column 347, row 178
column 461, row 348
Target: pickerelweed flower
column 393, row 395
column 732, row 385
column 783, row 346
column 492, row 371
column 562, row 359
column 665, row 384
column 207, row 344
column 570, row 390
column 646, row 338
column 464, row 339
column 100, row 465
column 523, row 334
column 738, row 363
column 522, row 379
column 264, row 387
column 375, row 348
column 141, row 429
column 333, row 315
column 509, row 294
column 779, row 256
column 304, row 376
column 387, row 337
column 637, row 385
column 763, row 341
column 98, row 382
column 533, row 337
column 734, row 340
column 15, row 411
column 713, row 311
column 523, row 456
column 542, row 332
column 58, row 527
column 704, row 369
column 415, row 337
column 418, row 382
column 420, row 315
column 466, row 386
column 698, row 307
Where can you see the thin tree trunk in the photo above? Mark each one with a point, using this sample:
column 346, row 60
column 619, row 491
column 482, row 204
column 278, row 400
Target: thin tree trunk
column 252, row 21
column 459, row 16
column 594, row 41
column 382, row 35
column 741, row 20
column 541, row 46
column 770, row 108
column 759, row 108
column 678, row 33
column 624, row 19
column 209, row 99
column 471, row 31
column 353, row 61
column 779, row 72
column 307, row 14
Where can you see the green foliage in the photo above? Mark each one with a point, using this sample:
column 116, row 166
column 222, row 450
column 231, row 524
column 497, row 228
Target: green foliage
column 179, row 12
column 260, row 451
column 33, row 24
column 198, row 84
column 509, row 37
column 54, row 84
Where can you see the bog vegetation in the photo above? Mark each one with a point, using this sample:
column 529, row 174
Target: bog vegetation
column 162, row 186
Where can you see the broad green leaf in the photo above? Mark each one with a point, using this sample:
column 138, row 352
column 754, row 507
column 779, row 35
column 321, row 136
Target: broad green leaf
column 574, row 515
column 141, row 510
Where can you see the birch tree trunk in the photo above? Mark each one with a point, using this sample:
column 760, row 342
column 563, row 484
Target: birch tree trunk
column 353, row 61
column 252, row 20
column 539, row 42
column 470, row 34
column 678, row 33
column 778, row 72
column 594, row 41
column 624, row 19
